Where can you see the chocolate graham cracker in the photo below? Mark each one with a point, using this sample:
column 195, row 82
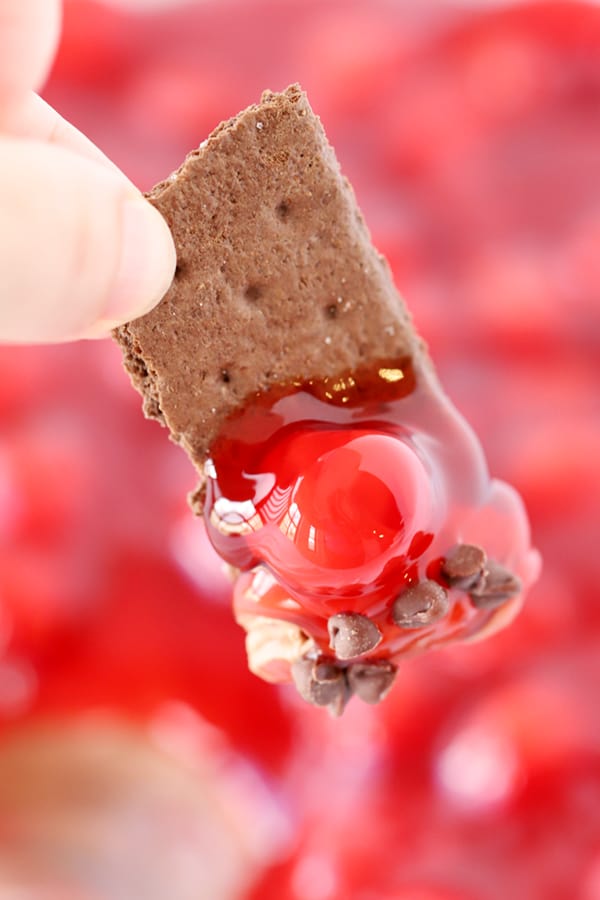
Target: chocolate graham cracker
column 277, row 279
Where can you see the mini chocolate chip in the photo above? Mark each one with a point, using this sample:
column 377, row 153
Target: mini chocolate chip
column 463, row 566
column 498, row 585
column 302, row 670
column 325, row 670
column 420, row 605
column 371, row 681
column 320, row 691
column 339, row 703
column 322, row 684
column 225, row 376
column 331, row 311
column 352, row 635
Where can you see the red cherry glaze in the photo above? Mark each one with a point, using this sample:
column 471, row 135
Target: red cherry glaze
column 336, row 496
column 288, row 453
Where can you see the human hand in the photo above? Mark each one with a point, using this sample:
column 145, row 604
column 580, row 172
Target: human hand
column 80, row 249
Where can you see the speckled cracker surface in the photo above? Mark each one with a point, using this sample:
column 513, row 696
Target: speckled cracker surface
column 277, row 278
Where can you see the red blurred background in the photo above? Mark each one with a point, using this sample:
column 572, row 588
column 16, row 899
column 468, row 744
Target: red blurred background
column 138, row 758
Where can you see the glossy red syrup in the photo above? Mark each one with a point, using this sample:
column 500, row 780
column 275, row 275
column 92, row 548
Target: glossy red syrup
column 336, row 495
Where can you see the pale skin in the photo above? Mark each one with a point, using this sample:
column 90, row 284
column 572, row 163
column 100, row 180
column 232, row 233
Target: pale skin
column 81, row 250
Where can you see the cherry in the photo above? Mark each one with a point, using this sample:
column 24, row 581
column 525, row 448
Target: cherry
column 341, row 505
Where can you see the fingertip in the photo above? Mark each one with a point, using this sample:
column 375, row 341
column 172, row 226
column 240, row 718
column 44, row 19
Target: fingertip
column 146, row 265
column 81, row 250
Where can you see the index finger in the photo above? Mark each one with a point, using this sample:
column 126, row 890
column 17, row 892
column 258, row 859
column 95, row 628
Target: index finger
column 29, row 31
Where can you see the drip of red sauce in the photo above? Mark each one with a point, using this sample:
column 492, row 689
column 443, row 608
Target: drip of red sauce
column 335, row 495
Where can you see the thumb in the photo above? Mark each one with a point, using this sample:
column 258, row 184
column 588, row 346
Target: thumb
column 81, row 251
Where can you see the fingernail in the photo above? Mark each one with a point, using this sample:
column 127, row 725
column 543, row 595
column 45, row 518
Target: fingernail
column 147, row 263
